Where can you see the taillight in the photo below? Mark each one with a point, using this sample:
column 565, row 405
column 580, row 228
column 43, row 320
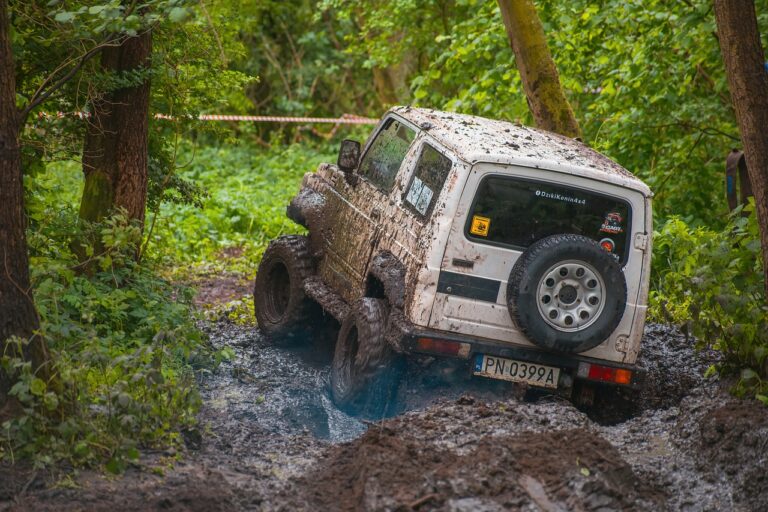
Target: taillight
column 445, row 347
column 601, row 373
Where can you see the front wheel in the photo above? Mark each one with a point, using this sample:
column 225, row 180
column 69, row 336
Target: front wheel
column 365, row 372
column 283, row 311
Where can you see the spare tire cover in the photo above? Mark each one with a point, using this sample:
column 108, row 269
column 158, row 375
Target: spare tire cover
column 566, row 293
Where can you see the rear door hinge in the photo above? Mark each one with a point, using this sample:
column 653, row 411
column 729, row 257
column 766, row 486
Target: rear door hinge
column 641, row 241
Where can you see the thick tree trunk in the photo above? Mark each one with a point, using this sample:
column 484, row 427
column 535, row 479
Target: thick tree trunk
column 391, row 82
column 115, row 153
column 541, row 82
column 748, row 82
column 18, row 316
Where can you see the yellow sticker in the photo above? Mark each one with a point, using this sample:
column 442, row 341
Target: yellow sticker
column 480, row 225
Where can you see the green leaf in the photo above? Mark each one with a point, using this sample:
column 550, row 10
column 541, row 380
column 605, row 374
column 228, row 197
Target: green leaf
column 82, row 449
column 115, row 466
column 177, row 14
column 37, row 387
column 132, row 453
column 64, row 17
column 747, row 374
column 51, row 401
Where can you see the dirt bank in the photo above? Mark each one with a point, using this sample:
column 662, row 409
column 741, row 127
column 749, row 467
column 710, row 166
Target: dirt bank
column 272, row 440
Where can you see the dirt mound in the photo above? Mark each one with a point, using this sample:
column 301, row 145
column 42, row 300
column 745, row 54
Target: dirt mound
column 562, row 470
column 733, row 442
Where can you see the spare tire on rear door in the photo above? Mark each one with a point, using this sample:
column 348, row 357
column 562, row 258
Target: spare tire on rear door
column 567, row 293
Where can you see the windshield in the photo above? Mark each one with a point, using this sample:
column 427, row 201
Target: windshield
column 517, row 212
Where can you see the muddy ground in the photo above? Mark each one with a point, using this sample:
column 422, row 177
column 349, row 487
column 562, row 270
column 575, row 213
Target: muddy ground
column 272, row 440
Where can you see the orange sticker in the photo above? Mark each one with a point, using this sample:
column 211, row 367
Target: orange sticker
column 480, row 225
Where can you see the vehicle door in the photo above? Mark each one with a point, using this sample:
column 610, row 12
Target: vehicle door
column 360, row 207
column 417, row 198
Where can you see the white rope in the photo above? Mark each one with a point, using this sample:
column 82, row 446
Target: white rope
column 344, row 119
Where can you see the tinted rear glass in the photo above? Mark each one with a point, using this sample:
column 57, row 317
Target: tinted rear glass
column 516, row 212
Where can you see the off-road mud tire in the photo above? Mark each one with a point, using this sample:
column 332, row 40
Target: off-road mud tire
column 283, row 312
column 365, row 372
column 526, row 276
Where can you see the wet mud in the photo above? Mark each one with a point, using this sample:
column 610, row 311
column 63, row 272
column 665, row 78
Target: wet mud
column 271, row 439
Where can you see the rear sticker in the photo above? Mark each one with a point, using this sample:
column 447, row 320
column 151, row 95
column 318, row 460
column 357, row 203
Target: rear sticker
column 480, row 225
column 612, row 224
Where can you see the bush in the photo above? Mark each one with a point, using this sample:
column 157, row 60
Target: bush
column 712, row 282
column 123, row 341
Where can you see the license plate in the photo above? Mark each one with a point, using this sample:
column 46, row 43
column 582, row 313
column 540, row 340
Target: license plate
column 516, row 371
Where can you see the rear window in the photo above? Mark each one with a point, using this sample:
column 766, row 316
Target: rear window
column 517, row 212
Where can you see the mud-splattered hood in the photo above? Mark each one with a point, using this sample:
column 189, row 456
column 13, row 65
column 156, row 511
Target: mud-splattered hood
column 477, row 139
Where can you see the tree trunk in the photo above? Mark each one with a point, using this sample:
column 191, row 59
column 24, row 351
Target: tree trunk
column 748, row 82
column 541, row 82
column 18, row 316
column 391, row 82
column 115, row 152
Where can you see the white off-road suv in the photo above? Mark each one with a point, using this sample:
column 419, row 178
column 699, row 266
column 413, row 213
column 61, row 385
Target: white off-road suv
column 523, row 252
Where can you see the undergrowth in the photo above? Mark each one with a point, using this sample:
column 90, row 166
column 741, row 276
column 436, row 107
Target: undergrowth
column 123, row 336
column 248, row 190
column 712, row 282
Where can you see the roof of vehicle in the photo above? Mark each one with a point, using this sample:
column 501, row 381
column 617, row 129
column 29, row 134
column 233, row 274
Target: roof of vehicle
column 477, row 139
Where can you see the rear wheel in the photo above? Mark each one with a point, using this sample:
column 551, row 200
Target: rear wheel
column 283, row 311
column 365, row 373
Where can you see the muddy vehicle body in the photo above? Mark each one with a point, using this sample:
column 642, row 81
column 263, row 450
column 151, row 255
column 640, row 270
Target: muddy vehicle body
column 522, row 252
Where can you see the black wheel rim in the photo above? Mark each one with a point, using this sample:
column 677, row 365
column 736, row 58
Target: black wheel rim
column 278, row 291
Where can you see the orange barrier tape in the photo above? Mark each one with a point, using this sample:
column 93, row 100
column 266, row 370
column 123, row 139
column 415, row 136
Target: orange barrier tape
column 344, row 119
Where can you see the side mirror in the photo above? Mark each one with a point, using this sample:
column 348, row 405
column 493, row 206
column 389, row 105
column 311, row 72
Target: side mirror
column 349, row 155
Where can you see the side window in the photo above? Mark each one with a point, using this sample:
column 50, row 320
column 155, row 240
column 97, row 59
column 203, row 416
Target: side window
column 431, row 171
column 383, row 158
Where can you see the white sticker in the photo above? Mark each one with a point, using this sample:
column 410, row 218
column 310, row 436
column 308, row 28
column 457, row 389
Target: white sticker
column 419, row 195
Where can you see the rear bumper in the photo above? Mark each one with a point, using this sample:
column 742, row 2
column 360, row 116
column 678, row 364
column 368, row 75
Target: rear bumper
column 471, row 348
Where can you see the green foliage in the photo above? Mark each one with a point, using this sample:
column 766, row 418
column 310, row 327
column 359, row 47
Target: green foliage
column 124, row 342
column 712, row 281
column 248, row 191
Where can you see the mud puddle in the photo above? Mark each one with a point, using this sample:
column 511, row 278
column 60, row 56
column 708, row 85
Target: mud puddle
column 285, row 390
column 281, row 390
column 271, row 439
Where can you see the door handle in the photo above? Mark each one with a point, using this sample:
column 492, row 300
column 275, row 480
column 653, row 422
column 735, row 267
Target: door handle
column 458, row 262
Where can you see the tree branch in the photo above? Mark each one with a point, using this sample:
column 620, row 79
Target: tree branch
column 44, row 93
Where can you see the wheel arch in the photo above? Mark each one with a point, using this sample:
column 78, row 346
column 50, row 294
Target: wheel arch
column 386, row 279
